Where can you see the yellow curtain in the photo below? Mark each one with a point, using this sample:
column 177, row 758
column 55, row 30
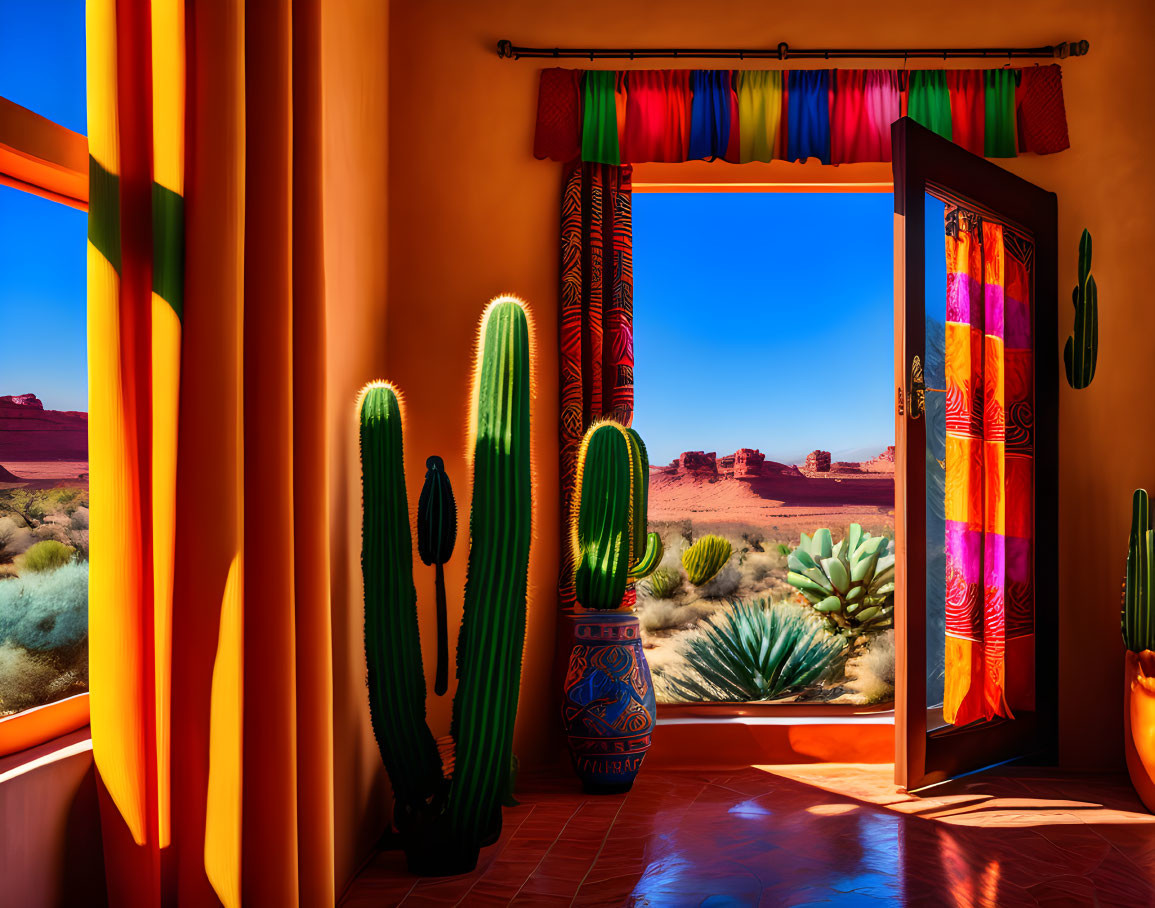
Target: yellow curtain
column 211, row 668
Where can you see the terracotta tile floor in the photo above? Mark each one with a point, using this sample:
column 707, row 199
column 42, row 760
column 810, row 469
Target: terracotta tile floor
column 818, row 834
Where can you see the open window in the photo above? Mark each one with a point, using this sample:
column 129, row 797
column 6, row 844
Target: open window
column 43, row 378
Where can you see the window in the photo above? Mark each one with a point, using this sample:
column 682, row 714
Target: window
column 43, row 362
column 764, row 353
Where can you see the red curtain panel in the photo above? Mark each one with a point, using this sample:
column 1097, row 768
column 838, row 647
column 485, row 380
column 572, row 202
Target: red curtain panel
column 596, row 320
column 559, row 115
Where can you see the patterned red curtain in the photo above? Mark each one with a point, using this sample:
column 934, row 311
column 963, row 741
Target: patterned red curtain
column 597, row 319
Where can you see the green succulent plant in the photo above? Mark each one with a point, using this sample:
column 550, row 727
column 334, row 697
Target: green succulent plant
column 611, row 545
column 1138, row 618
column 752, row 651
column 851, row 584
column 705, row 558
column 664, row 582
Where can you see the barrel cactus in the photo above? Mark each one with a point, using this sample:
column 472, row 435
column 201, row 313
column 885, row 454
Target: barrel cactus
column 851, row 584
column 449, row 808
column 611, row 545
column 1138, row 619
column 1082, row 350
column 705, row 558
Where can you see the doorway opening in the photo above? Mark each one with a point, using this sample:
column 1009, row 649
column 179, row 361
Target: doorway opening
column 764, row 350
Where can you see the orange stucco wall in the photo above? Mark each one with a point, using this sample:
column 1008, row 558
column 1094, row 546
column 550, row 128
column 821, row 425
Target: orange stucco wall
column 471, row 214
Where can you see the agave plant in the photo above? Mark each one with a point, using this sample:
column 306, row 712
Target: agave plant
column 664, row 582
column 851, row 583
column 705, row 558
column 753, row 651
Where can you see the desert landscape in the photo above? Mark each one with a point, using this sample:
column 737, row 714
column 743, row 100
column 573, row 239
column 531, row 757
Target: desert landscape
column 762, row 509
column 43, row 553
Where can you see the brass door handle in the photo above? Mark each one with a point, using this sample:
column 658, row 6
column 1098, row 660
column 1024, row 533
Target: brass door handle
column 917, row 389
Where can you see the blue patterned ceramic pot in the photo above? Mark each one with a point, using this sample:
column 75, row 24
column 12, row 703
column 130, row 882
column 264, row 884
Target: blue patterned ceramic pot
column 608, row 705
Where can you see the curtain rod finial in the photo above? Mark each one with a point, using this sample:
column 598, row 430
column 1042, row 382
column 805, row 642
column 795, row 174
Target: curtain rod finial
column 504, row 49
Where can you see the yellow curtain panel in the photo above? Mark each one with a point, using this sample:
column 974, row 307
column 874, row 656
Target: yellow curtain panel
column 210, row 638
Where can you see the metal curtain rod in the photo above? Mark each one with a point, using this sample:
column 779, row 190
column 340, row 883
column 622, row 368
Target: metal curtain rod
column 508, row 50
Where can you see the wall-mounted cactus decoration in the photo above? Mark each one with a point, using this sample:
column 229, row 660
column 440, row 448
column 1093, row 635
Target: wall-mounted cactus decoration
column 448, row 809
column 705, row 558
column 436, row 536
column 1082, row 350
column 1138, row 619
column 611, row 545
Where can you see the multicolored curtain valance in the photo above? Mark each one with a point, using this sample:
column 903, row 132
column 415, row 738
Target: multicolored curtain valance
column 839, row 116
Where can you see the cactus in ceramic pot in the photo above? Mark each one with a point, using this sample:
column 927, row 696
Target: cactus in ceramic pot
column 445, row 816
column 611, row 546
column 1138, row 614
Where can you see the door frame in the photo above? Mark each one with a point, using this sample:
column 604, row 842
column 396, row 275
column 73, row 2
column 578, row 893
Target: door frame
column 925, row 161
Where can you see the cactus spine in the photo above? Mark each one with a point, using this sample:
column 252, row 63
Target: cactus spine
column 436, row 536
column 392, row 645
column 445, row 821
column 493, row 629
column 1138, row 603
column 611, row 546
column 705, row 558
column 1081, row 353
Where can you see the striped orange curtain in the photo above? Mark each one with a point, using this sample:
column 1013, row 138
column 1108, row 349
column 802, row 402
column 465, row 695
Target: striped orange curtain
column 989, row 471
column 211, row 668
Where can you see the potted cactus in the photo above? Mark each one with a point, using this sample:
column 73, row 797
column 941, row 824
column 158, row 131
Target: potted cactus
column 608, row 697
column 446, row 809
column 1138, row 623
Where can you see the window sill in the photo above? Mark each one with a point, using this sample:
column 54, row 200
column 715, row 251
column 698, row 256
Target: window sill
column 42, row 724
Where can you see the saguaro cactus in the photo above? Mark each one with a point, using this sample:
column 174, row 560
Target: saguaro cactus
column 1082, row 350
column 1138, row 618
column 610, row 542
column 447, row 820
column 493, row 630
column 436, row 536
column 392, row 645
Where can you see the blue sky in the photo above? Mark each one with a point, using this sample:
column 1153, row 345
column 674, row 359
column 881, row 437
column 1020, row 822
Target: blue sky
column 42, row 243
column 764, row 320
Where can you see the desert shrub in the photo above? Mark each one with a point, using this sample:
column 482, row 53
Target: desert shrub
column 664, row 583
column 871, row 672
column 45, row 611
column 47, row 555
column 783, row 548
column 752, row 651
column 705, row 558
column 726, row 583
column 30, row 679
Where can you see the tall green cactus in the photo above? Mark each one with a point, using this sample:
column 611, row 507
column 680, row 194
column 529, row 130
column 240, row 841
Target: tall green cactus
column 1082, row 350
column 445, row 821
column 611, row 545
column 489, row 649
column 436, row 536
column 392, row 645
column 1138, row 618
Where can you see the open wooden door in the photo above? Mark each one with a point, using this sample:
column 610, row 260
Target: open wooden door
column 976, row 433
